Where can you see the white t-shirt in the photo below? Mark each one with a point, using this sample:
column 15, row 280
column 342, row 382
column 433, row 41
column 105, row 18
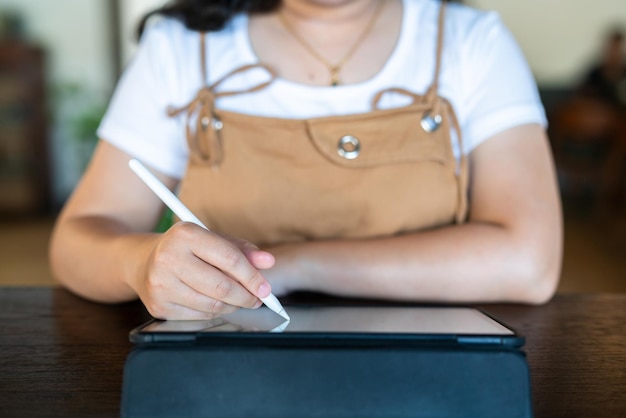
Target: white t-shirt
column 484, row 75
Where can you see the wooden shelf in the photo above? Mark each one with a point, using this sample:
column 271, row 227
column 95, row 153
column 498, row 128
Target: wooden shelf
column 24, row 162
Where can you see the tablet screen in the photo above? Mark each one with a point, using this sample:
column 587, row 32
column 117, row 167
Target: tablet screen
column 353, row 319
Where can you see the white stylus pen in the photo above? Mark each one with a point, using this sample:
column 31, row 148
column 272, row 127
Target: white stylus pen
column 185, row 215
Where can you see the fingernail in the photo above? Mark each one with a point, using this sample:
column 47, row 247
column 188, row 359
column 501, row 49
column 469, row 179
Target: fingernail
column 264, row 290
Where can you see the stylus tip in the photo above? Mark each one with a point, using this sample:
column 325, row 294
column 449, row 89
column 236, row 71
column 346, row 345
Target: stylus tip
column 283, row 313
column 274, row 304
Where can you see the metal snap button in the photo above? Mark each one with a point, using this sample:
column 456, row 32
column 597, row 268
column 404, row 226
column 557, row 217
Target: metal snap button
column 349, row 147
column 205, row 122
column 430, row 123
column 217, row 123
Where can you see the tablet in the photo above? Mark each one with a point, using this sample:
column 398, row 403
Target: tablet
column 331, row 325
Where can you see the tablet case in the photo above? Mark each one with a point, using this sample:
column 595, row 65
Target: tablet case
column 199, row 380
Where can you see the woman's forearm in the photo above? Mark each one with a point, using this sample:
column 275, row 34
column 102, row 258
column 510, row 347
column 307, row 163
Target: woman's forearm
column 468, row 263
column 98, row 258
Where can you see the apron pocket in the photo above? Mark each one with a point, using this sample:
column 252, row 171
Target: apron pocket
column 380, row 137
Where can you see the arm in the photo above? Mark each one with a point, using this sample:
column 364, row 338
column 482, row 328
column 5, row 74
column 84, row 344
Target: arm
column 103, row 249
column 509, row 250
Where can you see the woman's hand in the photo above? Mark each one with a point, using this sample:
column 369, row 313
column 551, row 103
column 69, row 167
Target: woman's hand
column 103, row 249
column 192, row 273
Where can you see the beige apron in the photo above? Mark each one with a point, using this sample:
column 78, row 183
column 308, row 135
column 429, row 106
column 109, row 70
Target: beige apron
column 271, row 180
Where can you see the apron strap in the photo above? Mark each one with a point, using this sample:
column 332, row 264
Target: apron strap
column 204, row 139
column 462, row 175
column 398, row 90
column 431, row 93
column 272, row 76
column 434, row 87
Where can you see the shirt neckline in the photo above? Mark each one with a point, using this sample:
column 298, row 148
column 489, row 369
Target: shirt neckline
column 382, row 79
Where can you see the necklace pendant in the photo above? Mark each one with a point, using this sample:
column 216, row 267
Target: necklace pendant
column 334, row 77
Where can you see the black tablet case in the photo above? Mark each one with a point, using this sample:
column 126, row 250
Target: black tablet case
column 231, row 380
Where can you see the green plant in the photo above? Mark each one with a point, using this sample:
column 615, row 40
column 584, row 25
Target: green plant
column 167, row 220
column 86, row 123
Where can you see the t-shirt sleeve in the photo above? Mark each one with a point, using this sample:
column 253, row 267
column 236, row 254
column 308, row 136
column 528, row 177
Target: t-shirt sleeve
column 498, row 88
column 136, row 120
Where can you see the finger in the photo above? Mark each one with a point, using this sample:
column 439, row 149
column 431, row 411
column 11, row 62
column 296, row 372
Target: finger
column 190, row 304
column 230, row 259
column 258, row 258
column 209, row 281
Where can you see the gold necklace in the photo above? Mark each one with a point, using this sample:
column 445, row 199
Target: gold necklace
column 334, row 69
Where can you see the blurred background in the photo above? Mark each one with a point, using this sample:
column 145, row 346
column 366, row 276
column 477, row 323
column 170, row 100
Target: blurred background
column 60, row 60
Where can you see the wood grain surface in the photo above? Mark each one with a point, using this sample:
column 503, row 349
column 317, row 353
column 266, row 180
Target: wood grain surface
column 63, row 356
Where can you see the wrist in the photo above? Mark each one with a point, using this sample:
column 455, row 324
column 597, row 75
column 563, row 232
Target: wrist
column 136, row 251
column 290, row 272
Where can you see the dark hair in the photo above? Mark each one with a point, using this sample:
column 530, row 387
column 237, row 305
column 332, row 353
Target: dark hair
column 208, row 15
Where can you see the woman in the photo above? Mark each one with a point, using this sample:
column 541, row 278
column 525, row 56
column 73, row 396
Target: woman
column 365, row 151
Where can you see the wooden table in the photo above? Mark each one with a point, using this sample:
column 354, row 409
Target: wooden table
column 63, row 356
